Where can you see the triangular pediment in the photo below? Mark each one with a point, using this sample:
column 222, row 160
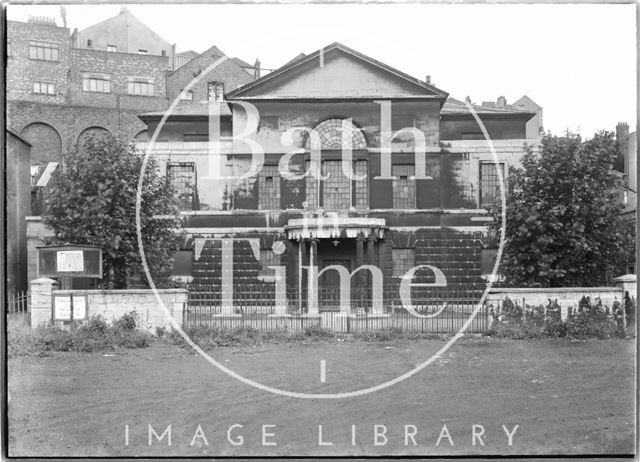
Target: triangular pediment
column 336, row 72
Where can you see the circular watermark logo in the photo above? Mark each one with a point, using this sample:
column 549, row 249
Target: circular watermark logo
column 279, row 247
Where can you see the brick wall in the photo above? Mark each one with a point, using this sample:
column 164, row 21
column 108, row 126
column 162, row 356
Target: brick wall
column 22, row 71
column 120, row 66
column 53, row 123
column 228, row 72
column 457, row 254
column 125, row 32
column 68, row 122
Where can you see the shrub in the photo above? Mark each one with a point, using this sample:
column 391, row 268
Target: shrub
column 93, row 336
column 590, row 320
column 128, row 321
column 315, row 331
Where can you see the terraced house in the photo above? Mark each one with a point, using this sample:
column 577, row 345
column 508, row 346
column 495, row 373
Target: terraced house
column 418, row 198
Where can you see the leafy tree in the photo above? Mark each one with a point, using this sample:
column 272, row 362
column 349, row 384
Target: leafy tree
column 93, row 202
column 563, row 223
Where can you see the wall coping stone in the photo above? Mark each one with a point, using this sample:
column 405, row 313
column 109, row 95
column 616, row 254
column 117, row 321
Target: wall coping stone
column 626, row 278
column 120, row 291
column 542, row 290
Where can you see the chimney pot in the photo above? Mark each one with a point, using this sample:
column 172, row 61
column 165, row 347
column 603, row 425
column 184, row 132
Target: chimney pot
column 428, row 79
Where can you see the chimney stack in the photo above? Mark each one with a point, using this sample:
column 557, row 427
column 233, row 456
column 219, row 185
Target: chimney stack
column 468, row 100
column 256, row 69
column 501, row 101
column 428, row 79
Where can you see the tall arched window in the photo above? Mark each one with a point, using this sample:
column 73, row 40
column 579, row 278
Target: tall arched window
column 330, row 133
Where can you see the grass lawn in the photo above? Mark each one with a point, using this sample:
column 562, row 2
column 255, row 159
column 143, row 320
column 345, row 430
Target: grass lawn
column 566, row 398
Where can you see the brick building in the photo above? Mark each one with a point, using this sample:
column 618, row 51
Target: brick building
column 63, row 86
column 124, row 33
column 392, row 221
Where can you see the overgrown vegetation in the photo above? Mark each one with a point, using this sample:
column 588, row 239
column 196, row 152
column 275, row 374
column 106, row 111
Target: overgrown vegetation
column 591, row 319
column 563, row 216
column 96, row 335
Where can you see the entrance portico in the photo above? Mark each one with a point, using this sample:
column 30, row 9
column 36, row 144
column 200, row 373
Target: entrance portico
column 350, row 242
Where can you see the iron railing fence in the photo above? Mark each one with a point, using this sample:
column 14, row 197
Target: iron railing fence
column 18, row 302
column 438, row 310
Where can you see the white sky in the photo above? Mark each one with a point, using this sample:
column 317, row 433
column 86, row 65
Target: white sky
column 577, row 61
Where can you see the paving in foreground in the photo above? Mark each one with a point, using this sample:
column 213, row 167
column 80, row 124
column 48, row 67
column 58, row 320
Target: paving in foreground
column 565, row 397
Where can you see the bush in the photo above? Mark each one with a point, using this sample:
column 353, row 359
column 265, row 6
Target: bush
column 93, row 336
column 590, row 320
column 128, row 321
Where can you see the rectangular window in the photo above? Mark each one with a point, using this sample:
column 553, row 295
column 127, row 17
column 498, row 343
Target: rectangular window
column 404, row 187
column 269, row 188
column 268, row 258
column 403, row 260
column 43, row 50
column 312, row 185
column 338, row 192
column 489, row 185
column 336, row 189
column 98, row 83
column 361, row 187
column 44, row 88
column 215, row 91
column 186, row 95
column 142, row 51
column 164, row 53
column 112, row 48
column 140, row 87
column 182, row 177
column 89, row 42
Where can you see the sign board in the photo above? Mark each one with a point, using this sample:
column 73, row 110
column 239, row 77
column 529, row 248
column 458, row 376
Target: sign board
column 69, row 260
column 62, row 307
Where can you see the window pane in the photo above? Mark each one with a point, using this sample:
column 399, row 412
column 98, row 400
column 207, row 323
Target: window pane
column 336, row 190
column 490, row 185
column 404, row 187
column 269, row 188
column 362, row 186
column 182, row 178
column 36, row 87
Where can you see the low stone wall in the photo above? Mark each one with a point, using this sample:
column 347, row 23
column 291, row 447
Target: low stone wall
column 111, row 304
